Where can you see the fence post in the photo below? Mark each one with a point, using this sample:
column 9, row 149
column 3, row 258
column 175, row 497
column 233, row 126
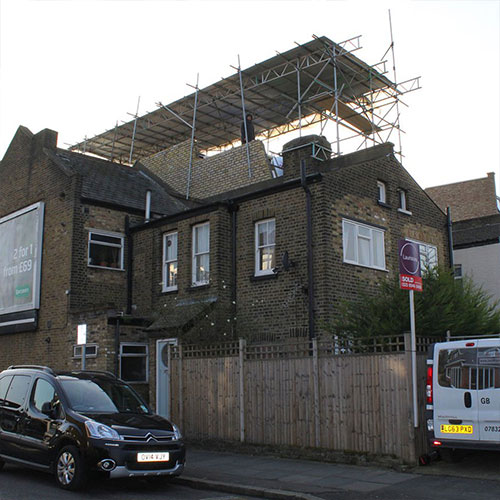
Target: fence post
column 317, row 425
column 169, row 361
column 181, row 398
column 409, row 400
column 242, row 390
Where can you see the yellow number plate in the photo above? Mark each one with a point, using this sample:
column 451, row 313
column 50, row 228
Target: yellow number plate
column 456, row 429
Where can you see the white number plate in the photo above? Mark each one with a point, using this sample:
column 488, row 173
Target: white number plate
column 153, row 457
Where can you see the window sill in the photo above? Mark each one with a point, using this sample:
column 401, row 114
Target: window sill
column 264, row 277
column 383, row 204
column 203, row 286
column 384, row 270
column 406, row 212
column 105, row 267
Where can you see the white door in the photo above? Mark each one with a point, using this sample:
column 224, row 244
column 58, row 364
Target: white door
column 488, row 361
column 162, row 377
column 455, row 392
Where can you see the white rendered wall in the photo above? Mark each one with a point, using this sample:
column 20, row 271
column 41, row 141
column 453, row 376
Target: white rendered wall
column 482, row 264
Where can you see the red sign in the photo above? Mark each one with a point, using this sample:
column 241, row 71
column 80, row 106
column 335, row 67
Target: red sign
column 410, row 275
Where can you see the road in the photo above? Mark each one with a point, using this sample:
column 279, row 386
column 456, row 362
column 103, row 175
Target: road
column 23, row 484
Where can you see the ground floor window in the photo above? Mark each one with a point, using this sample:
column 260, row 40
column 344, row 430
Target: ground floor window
column 134, row 362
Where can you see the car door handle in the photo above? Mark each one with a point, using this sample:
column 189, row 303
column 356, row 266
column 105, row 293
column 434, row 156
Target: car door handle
column 467, row 400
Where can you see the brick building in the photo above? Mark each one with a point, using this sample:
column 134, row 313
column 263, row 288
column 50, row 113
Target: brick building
column 235, row 263
column 474, row 208
column 205, row 238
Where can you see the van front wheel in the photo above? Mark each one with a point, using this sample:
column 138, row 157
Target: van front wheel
column 70, row 469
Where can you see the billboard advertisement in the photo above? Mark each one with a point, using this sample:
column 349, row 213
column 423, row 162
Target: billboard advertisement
column 410, row 273
column 20, row 259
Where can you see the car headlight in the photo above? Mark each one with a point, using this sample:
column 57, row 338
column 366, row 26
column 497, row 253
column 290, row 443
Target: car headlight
column 177, row 432
column 101, row 431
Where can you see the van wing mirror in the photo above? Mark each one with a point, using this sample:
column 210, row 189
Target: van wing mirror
column 49, row 410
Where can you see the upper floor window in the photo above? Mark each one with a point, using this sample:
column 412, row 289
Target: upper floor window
column 105, row 249
column 403, row 201
column 382, row 192
column 201, row 254
column 264, row 247
column 169, row 262
column 363, row 244
column 428, row 255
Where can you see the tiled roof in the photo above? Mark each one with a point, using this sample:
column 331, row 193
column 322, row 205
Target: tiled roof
column 120, row 185
column 468, row 199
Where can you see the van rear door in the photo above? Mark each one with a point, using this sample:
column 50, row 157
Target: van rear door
column 455, row 391
column 488, row 381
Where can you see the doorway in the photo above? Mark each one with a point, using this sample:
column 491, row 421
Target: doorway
column 163, row 376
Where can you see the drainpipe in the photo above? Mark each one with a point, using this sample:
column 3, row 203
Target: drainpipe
column 233, row 208
column 310, row 280
column 450, row 238
column 130, row 248
column 147, row 214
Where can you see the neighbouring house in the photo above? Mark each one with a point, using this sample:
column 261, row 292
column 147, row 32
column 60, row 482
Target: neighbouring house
column 474, row 208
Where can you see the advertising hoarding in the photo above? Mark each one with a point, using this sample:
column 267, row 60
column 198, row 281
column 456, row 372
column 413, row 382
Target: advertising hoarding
column 21, row 235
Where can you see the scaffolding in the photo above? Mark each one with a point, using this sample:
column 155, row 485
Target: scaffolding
column 314, row 84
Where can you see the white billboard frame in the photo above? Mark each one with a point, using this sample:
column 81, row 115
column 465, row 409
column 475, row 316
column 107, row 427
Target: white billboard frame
column 37, row 263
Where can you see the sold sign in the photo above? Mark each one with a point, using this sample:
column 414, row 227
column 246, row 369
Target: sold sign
column 410, row 275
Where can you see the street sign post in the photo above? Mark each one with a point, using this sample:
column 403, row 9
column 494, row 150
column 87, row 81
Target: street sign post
column 410, row 278
column 81, row 339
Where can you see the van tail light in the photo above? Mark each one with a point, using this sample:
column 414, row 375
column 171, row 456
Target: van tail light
column 428, row 385
column 436, row 443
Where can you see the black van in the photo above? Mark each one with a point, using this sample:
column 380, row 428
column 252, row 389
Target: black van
column 72, row 423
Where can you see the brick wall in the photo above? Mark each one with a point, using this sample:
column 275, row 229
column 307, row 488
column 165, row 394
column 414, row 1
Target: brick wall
column 211, row 175
column 28, row 177
column 276, row 306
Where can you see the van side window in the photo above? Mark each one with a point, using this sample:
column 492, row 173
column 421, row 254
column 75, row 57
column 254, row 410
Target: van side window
column 458, row 368
column 4, row 385
column 18, row 389
column 488, row 361
column 45, row 397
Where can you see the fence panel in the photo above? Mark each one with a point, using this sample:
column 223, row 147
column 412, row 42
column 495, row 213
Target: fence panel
column 363, row 398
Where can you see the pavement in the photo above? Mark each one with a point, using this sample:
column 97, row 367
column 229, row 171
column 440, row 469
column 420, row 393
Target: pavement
column 281, row 478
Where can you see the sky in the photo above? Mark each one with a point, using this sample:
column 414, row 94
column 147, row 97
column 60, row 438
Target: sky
column 78, row 67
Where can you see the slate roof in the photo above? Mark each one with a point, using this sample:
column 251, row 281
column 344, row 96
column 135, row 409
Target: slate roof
column 476, row 232
column 119, row 185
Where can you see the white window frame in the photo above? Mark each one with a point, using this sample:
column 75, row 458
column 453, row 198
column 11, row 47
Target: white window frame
column 382, row 192
column 135, row 355
column 167, row 262
column 91, row 351
column 106, row 244
column 258, row 248
column 424, row 253
column 403, row 200
column 196, row 255
column 373, row 230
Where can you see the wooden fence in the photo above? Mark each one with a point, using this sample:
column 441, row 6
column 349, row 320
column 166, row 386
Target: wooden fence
column 318, row 394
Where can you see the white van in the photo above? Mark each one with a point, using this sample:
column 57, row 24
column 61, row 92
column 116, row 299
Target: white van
column 463, row 395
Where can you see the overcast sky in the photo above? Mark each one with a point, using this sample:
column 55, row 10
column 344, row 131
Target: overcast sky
column 79, row 66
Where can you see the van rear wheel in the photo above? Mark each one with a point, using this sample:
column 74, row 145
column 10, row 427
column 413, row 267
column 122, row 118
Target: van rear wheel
column 451, row 455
